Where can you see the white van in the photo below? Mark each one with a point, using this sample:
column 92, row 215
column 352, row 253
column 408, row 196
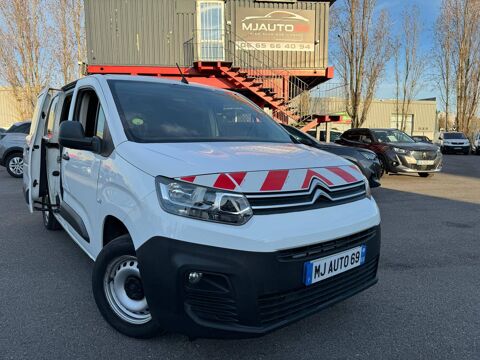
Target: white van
column 202, row 214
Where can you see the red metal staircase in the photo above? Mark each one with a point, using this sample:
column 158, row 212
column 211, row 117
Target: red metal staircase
column 251, row 69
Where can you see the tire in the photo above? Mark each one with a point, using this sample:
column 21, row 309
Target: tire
column 14, row 164
column 383, row 162
column 49, row 220
column 115, row 267
column 424, row 175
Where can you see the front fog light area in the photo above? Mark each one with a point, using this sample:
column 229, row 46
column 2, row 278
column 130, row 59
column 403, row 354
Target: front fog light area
column 189, row 200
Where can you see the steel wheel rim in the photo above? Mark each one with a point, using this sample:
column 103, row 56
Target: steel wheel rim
column 117, row 275
column 16, row 165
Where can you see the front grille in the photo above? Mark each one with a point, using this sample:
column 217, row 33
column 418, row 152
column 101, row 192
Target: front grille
column 278, row 307
column 318, row 196
column 424, row 155
column 314, row 251
column 423, row 167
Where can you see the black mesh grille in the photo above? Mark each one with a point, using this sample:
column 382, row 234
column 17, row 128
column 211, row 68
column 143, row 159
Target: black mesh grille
column 330, row 247
column 213, row 308
column 278, row 307
column 316, row 197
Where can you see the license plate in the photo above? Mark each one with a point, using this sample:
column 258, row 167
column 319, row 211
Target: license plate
column 457, row 148
column 425, row 162
column 324, row 268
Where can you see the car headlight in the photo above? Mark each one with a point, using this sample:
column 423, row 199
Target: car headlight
column 400, row 151
column 368, row 155
column 203, row 203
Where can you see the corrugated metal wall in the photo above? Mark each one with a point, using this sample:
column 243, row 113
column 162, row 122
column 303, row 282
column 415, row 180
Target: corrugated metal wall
column 381, row 111
column 424, row 115
column 138, row 32
column 160, row 32
column 8, row 108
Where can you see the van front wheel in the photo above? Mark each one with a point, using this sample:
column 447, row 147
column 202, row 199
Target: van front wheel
column 118, row 290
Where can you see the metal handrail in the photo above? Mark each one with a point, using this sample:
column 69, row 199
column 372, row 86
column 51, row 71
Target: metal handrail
column 218, row 45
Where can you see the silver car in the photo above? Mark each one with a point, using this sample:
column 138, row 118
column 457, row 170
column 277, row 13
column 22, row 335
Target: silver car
column 12, row 143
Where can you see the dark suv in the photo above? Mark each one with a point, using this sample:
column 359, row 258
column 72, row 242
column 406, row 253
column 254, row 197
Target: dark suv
column 397, row 151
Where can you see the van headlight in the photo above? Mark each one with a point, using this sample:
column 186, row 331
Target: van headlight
column 203, row 203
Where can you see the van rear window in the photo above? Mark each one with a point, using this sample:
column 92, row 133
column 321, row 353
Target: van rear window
column 154, row 112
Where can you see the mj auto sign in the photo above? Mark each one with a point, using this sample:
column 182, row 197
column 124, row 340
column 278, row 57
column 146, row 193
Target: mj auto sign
column 275, row 29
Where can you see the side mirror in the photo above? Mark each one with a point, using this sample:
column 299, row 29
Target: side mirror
column 440, row 138
column 71, row 135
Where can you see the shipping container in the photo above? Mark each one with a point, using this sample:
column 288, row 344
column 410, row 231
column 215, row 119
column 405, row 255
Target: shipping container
column 291, row 34
column 274, row 52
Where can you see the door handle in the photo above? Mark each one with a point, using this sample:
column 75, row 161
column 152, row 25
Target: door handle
column 65, row 157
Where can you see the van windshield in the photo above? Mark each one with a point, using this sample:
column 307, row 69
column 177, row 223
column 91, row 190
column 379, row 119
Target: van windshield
column 154, row 112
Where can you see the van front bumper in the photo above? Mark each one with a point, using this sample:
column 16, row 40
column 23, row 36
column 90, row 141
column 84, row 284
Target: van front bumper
column 244, row 294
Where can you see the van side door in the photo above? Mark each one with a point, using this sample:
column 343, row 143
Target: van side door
column 32, row 156
column 80, row 168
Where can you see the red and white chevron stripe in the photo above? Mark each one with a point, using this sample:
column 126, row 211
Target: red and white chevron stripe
column 278, row 180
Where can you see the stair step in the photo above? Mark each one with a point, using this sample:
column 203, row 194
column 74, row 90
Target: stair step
column 236, row 69
column 242, row 73
column 257, row 83
column 249, row 78
column 266, row 89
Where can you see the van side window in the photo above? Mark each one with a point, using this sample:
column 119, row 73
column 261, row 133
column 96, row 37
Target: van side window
column 66, row 106
column 86, row 111
column 89, row 112
column 51, row 117
column 100, row 123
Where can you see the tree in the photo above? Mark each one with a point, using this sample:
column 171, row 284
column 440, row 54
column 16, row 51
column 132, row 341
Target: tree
column 69, row 39
column 457, row 30
column 410, row 64
column 363, row 51
column 24, row 66
column 442, row 60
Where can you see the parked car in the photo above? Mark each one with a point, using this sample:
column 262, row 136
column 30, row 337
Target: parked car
column 366, row 160
column 202, row 215
column 397, row 151
column 422, row 138
column 12, row 143
column 476, row 144
column 454, row 142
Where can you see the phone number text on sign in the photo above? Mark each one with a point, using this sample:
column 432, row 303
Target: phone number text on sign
column 274, row 46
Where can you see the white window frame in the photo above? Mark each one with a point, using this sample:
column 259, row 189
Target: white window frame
column 211, row 53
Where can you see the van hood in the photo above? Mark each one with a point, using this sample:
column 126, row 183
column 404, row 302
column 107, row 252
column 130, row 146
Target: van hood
column 202, row 163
